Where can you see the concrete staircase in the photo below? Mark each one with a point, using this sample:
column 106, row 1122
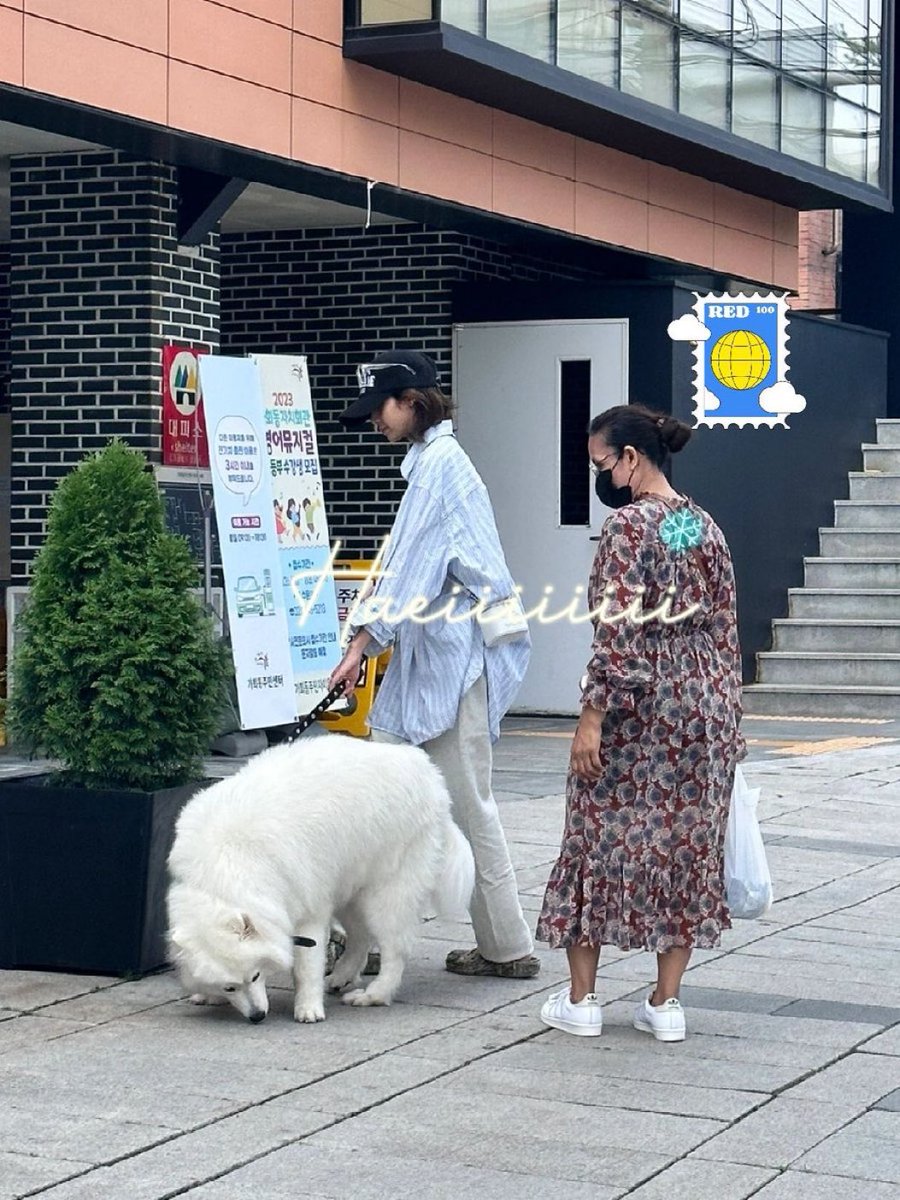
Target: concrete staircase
column 838, row 653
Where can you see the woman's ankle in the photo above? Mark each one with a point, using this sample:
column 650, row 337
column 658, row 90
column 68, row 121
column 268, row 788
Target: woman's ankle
column 658, row 997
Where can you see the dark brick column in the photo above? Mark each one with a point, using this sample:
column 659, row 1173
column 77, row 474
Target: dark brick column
column 98, row 284
column 4, row 327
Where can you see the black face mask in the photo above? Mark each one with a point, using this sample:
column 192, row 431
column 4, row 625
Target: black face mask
column 608, row 493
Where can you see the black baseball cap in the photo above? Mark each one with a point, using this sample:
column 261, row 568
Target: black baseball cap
column 388, row 374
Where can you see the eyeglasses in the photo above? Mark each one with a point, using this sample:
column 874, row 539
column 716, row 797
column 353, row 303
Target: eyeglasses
column 597, row 467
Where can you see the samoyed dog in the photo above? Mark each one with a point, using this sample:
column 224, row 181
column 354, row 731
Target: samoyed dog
column 334, row 829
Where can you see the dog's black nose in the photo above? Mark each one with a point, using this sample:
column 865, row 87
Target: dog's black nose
column 256, row 1017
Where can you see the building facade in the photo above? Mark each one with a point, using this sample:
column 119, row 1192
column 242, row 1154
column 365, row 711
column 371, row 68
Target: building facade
column 336, row 179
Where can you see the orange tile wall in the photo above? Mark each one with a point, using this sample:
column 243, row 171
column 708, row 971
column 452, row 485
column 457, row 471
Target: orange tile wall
column 269, row 75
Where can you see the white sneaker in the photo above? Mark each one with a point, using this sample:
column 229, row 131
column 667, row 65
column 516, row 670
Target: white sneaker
column 584, row 1019
column 665, row 1021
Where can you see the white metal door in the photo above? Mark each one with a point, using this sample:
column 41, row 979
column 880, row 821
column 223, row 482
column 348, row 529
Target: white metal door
column 513, row 408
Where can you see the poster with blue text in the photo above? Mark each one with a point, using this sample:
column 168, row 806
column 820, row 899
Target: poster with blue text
column 250, row 559
column 301, row 527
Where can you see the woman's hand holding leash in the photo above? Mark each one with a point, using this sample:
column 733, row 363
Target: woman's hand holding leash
column 349, row 668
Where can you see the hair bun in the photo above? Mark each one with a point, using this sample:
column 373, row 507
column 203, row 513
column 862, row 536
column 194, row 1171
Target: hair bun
column 673, row 434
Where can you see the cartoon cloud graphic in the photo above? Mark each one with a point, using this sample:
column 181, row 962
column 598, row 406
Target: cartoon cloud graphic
column 781, row 398
column 688, row 328
column 709, row 401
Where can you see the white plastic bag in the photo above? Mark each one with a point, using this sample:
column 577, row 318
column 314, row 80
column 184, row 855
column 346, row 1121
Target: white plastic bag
column 748, row 884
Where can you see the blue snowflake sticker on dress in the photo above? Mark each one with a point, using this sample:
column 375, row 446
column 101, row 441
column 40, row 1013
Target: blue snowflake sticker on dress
column 681, row 530
column 740, row 359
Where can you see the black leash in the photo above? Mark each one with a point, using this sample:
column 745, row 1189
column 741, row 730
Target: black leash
column 304, row 723
column 324, row 704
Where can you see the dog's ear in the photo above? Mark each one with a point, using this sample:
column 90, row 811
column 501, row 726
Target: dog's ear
column 243, row 927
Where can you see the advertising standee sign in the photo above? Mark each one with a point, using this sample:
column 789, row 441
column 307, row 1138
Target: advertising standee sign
column 301, row 526
column 250, row 557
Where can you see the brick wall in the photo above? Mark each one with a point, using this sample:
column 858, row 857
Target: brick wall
column 819, row 254
column 98, row 284
column 5, row 353
column 339, row 296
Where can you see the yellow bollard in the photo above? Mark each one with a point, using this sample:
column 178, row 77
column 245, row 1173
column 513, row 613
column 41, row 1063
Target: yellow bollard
column 349, row 576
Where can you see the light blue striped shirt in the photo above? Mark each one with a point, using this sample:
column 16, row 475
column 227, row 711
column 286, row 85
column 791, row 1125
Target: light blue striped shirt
column 444, row 535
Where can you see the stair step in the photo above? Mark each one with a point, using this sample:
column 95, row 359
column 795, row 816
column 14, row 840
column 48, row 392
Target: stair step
column 841, row 571
column 838, row 653
column 868, row 603
column 860, row 543
column 796, row 634
column 828, row 667
column 854, row 514
column 887, row 432
column 875, row 485
column 797, row 700
column 881, row 458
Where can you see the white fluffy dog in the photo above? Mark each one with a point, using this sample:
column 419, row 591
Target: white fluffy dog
column 334, row 828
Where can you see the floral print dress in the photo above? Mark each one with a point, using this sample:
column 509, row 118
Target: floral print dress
column 641, row 864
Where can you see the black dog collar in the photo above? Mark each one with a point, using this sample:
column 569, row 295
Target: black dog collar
column 303, row 941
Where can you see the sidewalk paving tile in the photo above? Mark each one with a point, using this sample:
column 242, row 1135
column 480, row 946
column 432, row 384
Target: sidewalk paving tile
column 778, row 1133
column 787, row 1087
column 26, row 1030
column 832, row 1010
column 724, row 999
column 800, row 1185
column 627, row 1054
column 885, row 1043
column 691, row 1179
column 869, row 1148
column 861, row 1079
column 841, row 1035
column 192, row 1158
column 90, row 1138
column 23, row 991
column 304, row 1171
column 591, row 1088
column 27, row 1172
column 501, row 1144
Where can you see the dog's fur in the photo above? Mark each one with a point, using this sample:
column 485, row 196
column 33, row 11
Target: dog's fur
column 305, row 833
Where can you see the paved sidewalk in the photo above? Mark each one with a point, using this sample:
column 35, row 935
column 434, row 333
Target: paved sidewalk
column 788, row 1087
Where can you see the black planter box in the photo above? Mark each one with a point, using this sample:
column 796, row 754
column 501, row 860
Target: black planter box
column 83, row 876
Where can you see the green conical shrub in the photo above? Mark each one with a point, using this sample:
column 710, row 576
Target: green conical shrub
column 117, row 672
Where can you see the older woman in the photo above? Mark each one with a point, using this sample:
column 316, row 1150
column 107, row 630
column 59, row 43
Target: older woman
column 653, row 757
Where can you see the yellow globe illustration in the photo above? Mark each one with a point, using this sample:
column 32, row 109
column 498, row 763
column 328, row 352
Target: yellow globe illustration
column 740, row 359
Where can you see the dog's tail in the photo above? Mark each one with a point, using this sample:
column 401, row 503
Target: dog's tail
column 456, row 880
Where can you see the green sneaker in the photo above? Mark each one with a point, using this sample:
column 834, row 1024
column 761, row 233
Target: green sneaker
column 472, row 962
column 336, row 947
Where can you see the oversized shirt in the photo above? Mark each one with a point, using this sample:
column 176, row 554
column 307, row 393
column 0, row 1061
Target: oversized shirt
column 444, row 547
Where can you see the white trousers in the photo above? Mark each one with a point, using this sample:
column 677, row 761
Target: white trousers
column 464, row 757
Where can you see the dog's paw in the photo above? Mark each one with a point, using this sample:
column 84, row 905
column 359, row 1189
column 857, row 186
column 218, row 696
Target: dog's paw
column 199, row 998
column 337, row 982
column 309, row 1013
column 362, row 998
